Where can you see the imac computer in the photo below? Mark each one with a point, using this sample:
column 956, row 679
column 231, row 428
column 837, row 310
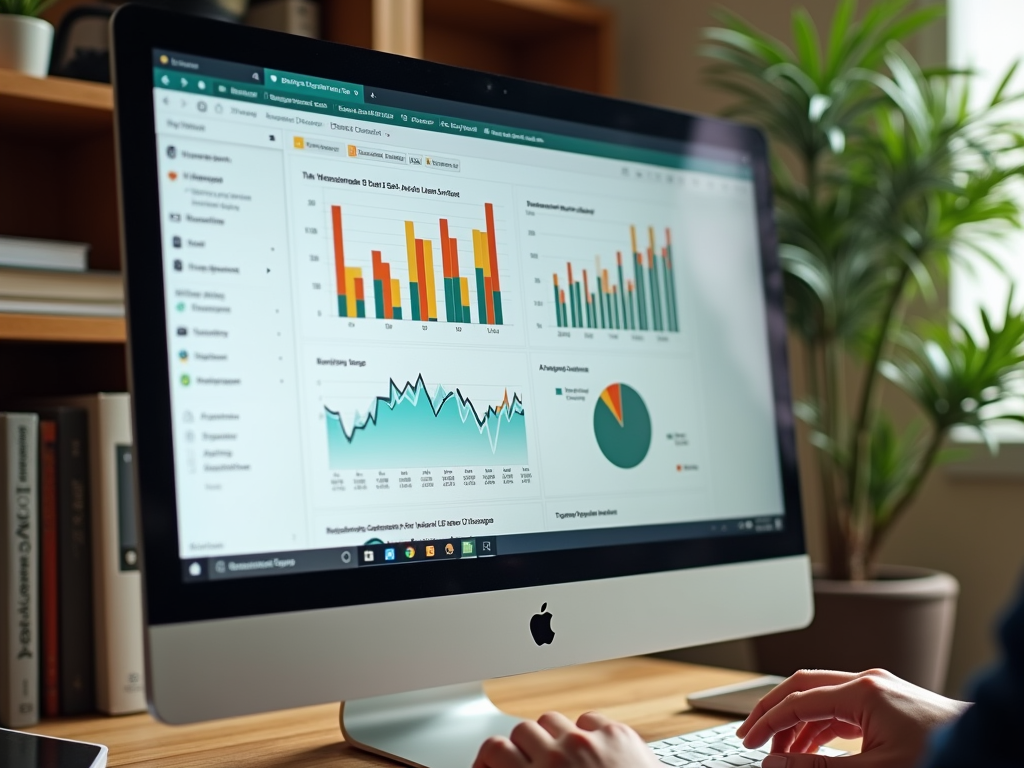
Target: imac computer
column 438, row 376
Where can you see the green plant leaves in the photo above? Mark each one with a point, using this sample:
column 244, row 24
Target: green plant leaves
column 892, row 173
column 25, row 7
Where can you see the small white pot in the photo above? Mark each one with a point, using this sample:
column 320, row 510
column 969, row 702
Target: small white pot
column 25, row 44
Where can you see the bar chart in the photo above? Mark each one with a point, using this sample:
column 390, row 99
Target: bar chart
column 644, row 301
column 404, row 282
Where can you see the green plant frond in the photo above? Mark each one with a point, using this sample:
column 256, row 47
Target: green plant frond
column 957, row 379
column 895, row 458
column 808, row 46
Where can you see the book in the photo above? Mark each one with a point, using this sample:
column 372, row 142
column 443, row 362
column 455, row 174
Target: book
column 49, row 578
column 117, row 587
column 81, row 308
column 102, row 287
column 19, row 545
column 77, row 690
column 32, row 253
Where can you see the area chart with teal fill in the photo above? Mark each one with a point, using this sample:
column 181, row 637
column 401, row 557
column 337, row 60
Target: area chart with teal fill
column 411, row 426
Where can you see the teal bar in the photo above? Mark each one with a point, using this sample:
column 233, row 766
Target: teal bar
column 600, row 293
column 558, row 308
column 498, row 317
column 414, row 296
column 342, row 307
column 481, row 298
column 378, row 298
column 397, row 312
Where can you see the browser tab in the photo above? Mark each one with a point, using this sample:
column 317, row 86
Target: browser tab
column 288, row 82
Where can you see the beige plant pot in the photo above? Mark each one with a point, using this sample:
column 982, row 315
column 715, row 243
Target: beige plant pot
column 25, row 44
column 901, row 621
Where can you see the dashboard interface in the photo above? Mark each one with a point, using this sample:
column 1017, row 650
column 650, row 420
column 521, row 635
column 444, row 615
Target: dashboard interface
column 402, row 329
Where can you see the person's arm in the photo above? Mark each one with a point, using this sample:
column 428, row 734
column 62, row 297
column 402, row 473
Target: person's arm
column 813, row 707
column 987, row 733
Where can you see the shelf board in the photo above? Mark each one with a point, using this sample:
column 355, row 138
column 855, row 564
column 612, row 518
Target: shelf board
column 62, row 328
column 54, row 104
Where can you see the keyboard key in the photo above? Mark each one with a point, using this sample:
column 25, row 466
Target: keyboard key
column 736, row 760
column 673, row 760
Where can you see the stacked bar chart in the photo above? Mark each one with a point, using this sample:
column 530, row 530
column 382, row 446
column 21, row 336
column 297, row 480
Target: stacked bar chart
column 645, row 302
column 428, row 299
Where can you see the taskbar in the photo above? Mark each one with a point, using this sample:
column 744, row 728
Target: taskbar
column 376, row 553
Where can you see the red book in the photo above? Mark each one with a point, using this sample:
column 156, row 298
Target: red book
column 49, row 555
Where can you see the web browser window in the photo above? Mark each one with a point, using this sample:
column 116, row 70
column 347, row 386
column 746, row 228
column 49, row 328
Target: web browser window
column 403, row 329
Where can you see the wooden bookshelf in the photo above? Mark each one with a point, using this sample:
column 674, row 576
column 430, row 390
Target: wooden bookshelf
column 57, row 150
column 83, row 330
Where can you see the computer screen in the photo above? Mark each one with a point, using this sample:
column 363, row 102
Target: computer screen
column 438, row 376
column 404, row 329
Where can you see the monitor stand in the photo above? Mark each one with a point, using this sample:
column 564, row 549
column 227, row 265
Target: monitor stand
column 432, row 728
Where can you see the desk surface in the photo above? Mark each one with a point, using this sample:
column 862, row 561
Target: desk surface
column 648, row 694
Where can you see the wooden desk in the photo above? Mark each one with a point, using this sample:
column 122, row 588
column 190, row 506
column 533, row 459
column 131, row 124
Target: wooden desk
column 649, row 694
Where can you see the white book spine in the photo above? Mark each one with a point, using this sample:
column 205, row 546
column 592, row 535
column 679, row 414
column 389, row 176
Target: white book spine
column 19, row 558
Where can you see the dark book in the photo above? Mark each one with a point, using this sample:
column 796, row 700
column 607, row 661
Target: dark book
column 75, row 619
column 49, row 581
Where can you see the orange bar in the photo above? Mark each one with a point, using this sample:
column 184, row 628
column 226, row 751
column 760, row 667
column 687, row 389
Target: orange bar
column 651, row 249
column 586, row 286
column 446, row 259
column 339, row 250
column 385, row 284
column 618, row 257
column 453, row 250
column 556, row 279
column 668, row 236
column 375, row 256
column 492, row 247
column 561, row 297
column 604, row 278
column 422, row 283
column 567, row 264
column 359, row 290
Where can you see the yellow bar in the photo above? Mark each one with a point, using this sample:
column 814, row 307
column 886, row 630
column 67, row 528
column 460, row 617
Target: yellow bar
column 604, row 279
column 350, row 290
column 650, row 231
column 632, row 236
column 482, row 252
column 476, row 249
column 396, row 292
column 464, row 282
column 410, row 251
column 428, row 265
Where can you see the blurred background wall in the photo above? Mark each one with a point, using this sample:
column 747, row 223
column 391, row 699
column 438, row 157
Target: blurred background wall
column 971, row 525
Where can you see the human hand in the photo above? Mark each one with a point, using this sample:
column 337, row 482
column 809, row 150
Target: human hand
column 813, row 707
column 554, row 742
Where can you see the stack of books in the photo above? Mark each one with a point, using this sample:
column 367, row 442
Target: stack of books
column 51, row 277
column 70, row 592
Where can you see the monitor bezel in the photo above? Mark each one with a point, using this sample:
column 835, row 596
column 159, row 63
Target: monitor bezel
column 168, row 599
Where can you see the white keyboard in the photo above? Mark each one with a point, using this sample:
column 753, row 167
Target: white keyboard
column 713, row 748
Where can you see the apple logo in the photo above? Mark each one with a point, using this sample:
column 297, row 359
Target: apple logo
column 540, row 627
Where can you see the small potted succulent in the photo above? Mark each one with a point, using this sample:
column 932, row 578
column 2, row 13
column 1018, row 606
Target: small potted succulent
column 890, row 172
column 25, row 40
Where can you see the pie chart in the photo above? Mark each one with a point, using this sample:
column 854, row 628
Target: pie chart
column 622, row 426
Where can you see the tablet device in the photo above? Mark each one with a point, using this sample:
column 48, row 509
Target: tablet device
column 28, row 750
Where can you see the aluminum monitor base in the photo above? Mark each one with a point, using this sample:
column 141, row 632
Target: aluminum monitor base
column 432, row 728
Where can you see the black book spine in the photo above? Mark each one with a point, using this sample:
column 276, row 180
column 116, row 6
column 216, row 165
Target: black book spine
column 77, row 677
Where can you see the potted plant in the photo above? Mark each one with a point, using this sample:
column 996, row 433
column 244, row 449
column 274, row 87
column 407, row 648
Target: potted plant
column 25, row 40
column 888, row 173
